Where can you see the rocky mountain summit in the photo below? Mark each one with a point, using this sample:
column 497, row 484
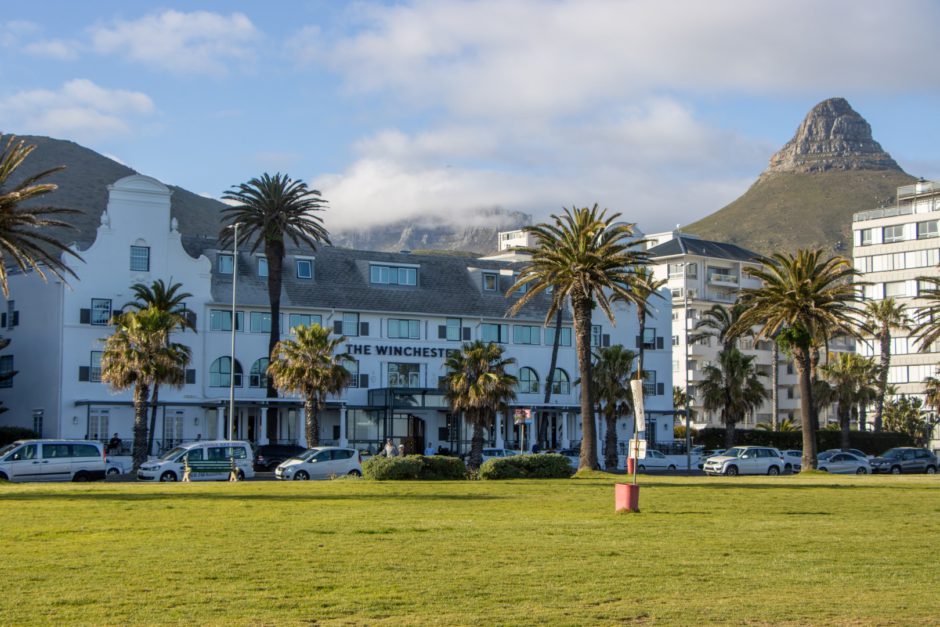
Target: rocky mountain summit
column 833, row 136
column 805, row 198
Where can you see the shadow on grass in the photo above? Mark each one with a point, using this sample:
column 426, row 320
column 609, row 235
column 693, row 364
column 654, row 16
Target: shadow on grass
column 725, row 485
column 190, row 496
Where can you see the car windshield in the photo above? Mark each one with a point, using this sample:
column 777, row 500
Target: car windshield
column 308, row 454
column 733, row 452
column 9, row 447
column 892, row 453
column 172, row 453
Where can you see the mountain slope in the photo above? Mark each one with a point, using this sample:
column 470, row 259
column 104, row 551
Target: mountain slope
column 806, row 197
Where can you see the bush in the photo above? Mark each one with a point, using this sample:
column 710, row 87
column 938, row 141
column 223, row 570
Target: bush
column 414, row 468
column 539, row 466
column 868, row 441
column 12, row 434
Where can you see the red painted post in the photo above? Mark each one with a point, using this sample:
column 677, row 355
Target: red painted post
column 631, row 462
column 626, row 497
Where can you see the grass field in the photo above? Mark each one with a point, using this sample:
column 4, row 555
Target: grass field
column 786, row 550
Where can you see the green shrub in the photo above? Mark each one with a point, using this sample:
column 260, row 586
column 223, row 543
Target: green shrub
column 414, row 468
column 12, row 434
column 868, row 441
column 539, row 466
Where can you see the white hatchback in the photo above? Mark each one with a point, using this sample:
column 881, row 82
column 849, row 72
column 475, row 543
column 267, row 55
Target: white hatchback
column 324, row 462
column 655, row 460
column 746, row 460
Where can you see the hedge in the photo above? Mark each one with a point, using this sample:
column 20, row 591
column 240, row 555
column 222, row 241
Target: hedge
column 12, row 434
column 538, row 466
column 873, row 443
column 414, row 468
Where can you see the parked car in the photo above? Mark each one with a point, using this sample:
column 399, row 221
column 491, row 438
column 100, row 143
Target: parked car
column 905, row 459
column 268, row 456
column 114, row 467
column 495, row 453
column 746, row 460
column 654, row 459
column 792, row 460
column 169, row 467
column 324, row 462
column 853, row 451
column 52, row 460
column 573, row 455
column 845, row 464
column 708, row 453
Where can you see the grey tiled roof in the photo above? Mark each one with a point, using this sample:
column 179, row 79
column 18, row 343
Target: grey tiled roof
column 704, row 248
column 445, row 285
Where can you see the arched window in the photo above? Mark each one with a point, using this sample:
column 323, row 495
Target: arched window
column 221, row 370
column 561, row 382
column 528, row 381
column 258, row 375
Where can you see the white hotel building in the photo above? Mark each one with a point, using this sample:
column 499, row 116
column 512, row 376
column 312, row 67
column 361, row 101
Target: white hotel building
column 894, row 247
column 401, row 314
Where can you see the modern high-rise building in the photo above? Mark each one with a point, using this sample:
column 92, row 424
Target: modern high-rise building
column 894, row 248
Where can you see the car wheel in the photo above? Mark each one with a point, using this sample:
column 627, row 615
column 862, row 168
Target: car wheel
column 822, row 469
column 113, row 471
column 355, row 473
column 3, row 477
column 930, row 470
column 641, row 468
column 861, row 471
column 672, row 466
column 169, row 475
column 773, row 471
column 80, row 477
column 895, row 470
column 301, row 475
column 241, row 475
column 788, row 468
column 731, row 471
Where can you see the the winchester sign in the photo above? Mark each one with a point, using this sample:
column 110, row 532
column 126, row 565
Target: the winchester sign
column 400, row 351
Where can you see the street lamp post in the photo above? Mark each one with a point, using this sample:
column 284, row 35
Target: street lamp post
column 231, row 377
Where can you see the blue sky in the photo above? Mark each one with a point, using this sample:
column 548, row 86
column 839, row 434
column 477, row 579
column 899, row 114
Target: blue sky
column 664, row 111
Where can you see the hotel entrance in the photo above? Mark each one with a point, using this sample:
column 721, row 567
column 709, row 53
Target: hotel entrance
column 409, row 430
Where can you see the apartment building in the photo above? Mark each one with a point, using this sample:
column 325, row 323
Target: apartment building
column 894, row 248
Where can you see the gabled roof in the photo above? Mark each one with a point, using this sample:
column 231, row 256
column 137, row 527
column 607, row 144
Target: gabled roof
column 681, row 245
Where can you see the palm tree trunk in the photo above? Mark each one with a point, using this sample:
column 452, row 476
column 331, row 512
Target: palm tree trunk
column 274, row 252
column 153, row 418
column 140, row 424
column 476, row 445
column 729, row 429
column 775, row 390
column 610, row 438
column 804, row 365
column 641, row 318
column 582, row 306
column 845, row 417
column 814, row 377
column 311, row 421
column 554, row 361
column 885, row 338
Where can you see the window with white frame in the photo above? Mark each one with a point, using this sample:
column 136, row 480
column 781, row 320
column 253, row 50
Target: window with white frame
column 351, row 324
column 453, row 329
column 258, row 375
column 304, row 268
column 595, row 335
column 221, row 320
column 404, row 329
column 352, row 366
column 393, row 275
column 495, row 333
column 262, row 266
column 100, row 311
column 926, row 230
column 561, row 382
column 220, row 373
column 675, row 270
column 94, row 370
column 564, row 338
column 404, row 375
column 525, row 334
column 891, row 234
column 304, row 320
column 259, row 322
column 528, row 381
column 490, row 281
column 895, row 289
column 140, row 259
column 225, row 264
column 865, row 237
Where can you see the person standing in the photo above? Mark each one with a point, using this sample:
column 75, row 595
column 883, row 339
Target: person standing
column 389, row 450
column 401, row 450
column 429, row 449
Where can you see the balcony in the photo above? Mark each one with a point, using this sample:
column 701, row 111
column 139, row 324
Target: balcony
column 723, row 279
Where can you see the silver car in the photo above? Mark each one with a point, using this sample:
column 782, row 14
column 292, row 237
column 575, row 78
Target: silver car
column 845, row 464
column 323, row 462
column 746, row 460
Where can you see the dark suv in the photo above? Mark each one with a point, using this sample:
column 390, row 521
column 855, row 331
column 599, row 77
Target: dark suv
column 905, row 459
column 268, row 456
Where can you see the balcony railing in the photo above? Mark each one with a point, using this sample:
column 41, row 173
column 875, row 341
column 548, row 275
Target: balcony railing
column 723, row 278
column 886, row 212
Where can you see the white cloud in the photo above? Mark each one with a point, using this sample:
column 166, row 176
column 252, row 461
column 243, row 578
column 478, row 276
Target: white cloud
column 79, row 110
column 14, row 31
column 544, row 58
column 654, row 161
column 53, row 49
column 199, row 42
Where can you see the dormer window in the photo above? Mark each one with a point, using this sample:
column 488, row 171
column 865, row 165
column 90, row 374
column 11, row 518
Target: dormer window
column 226, row 264
column 393, row 275
column 490, row 281
column 304, row 268
column 262, row 266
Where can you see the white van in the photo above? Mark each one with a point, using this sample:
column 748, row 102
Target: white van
column 169, row 466
column 52, row 460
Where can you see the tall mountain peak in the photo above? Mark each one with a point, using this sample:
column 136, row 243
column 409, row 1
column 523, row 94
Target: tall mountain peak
column 833, row 136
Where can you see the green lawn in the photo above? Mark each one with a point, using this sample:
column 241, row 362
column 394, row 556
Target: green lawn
column 797, row 550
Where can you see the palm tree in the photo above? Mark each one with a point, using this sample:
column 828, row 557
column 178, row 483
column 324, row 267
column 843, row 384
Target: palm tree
column 138, row 355
column 785, row 426
column 732, row 387
column 24, row 240
column 853, row 382
column 171, row 301
column 805, row 298
column 586, row 256
column 270, row 210
column 310, row 366
column 719, row 321
column 477, row 386
column 612, row 368
column 884, row 316
column 643, row 285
